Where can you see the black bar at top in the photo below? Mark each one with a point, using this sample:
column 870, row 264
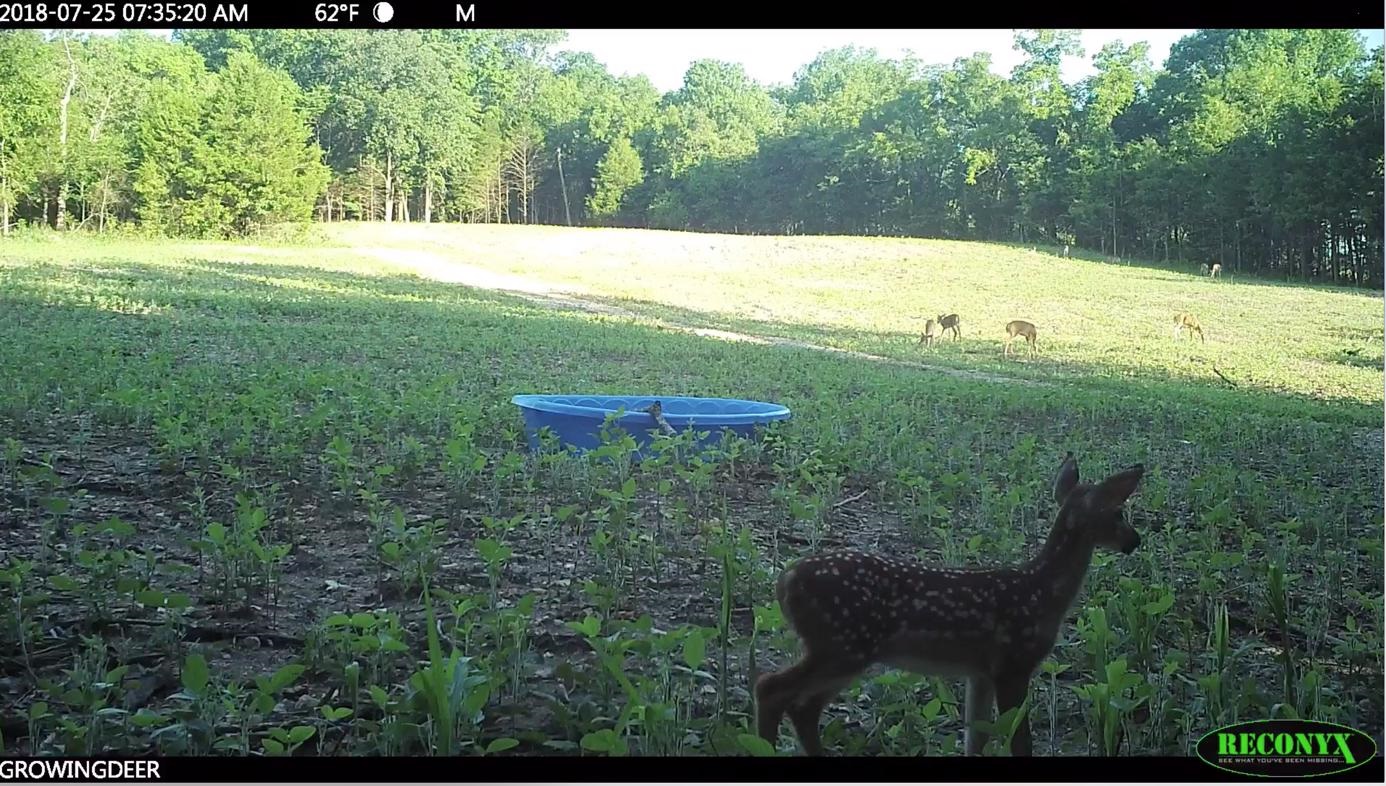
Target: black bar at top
column 637, row 14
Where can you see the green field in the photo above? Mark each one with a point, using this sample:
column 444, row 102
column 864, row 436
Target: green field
column 229, row 470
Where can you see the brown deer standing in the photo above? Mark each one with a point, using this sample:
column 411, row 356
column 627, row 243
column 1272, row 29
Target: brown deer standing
column 951, row 323
column 1184, row 320
column 1020, row 328
column 933, row 330
column 992, row 626
column 1215, row 271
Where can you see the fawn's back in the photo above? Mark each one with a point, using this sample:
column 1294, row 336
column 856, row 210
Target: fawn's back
column 1019, row 327
column 959, row 622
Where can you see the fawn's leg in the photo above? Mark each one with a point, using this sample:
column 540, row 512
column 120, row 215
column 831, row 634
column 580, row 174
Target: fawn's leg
column 772, row 697
column 800, row 686
column 806, row 714
column 1011, row 692
column 977, row 707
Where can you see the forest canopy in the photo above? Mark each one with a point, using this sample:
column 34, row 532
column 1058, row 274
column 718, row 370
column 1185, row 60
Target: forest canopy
column 1259, row 149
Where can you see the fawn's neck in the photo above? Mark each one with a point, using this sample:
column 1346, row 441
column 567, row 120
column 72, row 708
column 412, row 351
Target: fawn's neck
column 1062, row 564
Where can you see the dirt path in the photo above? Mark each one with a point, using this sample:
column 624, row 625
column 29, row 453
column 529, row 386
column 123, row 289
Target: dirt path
column 574, row 297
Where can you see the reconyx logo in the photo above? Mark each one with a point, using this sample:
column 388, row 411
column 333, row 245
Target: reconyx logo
column 1286, row 748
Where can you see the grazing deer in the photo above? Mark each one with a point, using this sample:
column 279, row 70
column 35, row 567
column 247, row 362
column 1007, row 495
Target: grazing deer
column 1186, row 320
column 1215, row 271
column 992, row 626
column 953, row 323
column 1203, row 269
column 1065, row 251
column 933, row 330
column 1019, row 327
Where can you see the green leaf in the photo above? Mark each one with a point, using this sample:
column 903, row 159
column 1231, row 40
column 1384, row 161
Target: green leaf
column 754, row 745
column 379, row 696
column 335, row 713
column 146, row 717
column 502, row 744
column 195, row 674
column 118, row 527
column 153, row 598
column 694, row 650
column 63, row 583
column 600, row 741
column 1159, row 606
column 285, row 677
column 589, row 627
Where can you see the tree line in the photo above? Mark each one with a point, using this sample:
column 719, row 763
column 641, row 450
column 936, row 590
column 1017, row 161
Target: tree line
column 1259, row 149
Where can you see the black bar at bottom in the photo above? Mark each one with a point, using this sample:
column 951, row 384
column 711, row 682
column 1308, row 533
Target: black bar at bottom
column 563, row 769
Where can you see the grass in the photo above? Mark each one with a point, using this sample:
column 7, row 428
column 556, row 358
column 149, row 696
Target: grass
column 233, row 473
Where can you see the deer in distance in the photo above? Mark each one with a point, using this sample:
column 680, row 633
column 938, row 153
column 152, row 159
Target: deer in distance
column 1184, row 320
column 1215, row 271
column 993, row 626
column 933, row 330
column 951, row 323
column 1019, row 328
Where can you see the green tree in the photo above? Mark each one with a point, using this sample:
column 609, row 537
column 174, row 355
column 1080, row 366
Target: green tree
column 617, row 173
column 26, row 93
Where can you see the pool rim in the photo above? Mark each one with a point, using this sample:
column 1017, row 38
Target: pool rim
column 544, row 402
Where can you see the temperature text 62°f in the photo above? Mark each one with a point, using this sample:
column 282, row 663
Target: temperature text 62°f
column 329, row 13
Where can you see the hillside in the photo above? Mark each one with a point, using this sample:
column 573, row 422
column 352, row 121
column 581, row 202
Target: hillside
column 1095, row 318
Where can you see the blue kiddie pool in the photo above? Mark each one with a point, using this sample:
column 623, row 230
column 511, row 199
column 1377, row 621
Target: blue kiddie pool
column 577, row 420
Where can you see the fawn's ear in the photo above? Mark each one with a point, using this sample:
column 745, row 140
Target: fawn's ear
column 1113, row 492
column 1066, row 479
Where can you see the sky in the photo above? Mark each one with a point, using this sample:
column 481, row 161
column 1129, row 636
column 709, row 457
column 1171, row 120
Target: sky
column 772, row 56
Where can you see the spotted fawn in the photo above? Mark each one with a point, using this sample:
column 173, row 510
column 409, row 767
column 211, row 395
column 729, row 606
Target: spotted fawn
column 991, row 626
